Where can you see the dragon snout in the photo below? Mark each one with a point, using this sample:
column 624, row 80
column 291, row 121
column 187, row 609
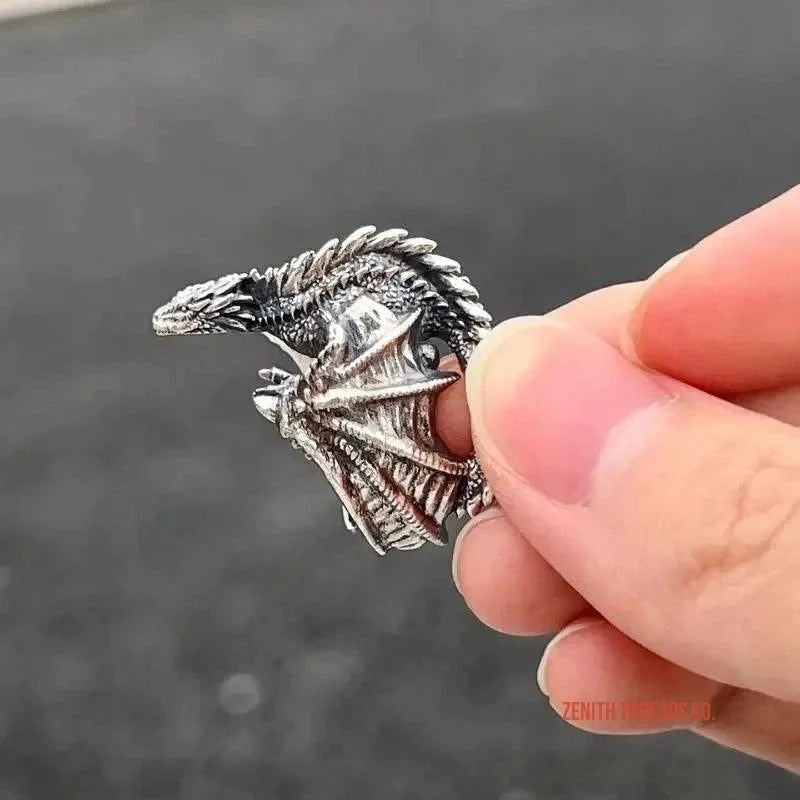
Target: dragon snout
column 169, row 321
column 225, row 304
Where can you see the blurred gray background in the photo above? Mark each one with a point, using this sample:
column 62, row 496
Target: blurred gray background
column 181, row 613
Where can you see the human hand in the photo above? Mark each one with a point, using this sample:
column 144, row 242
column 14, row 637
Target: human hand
column 654, row 525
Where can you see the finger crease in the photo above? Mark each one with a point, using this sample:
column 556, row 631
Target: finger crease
column 721, row 703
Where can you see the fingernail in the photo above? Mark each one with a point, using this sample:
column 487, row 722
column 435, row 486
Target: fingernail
column 475, row 522
column 573, row 627
column 630, row 327
column 544, row 400
column 667, row 266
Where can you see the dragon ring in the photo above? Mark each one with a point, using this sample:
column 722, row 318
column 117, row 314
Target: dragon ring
column 365, row 319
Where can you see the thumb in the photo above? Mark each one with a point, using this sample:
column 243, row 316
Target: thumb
column 675, row 514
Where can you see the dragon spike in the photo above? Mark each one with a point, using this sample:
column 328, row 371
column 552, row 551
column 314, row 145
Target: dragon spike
column 416, row 246
column 272, row 281
column 321, row 262
column 355, row 241
column 296, row 271
column 439, row 263
column 346, row 397
column 387, row 239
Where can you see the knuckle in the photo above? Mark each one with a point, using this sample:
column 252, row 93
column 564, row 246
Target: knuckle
column 724, row 705
column 745, row 524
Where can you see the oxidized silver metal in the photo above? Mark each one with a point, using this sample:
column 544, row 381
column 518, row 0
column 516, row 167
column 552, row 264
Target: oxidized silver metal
column 360, row 318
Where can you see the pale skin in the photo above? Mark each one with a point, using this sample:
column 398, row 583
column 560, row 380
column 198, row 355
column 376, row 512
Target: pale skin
column 650, row 526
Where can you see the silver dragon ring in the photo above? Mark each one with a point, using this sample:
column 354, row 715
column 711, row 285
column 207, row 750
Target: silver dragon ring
column 366, row 320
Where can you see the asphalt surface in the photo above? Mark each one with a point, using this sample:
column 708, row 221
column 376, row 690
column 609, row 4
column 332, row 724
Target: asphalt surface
column 181, row 613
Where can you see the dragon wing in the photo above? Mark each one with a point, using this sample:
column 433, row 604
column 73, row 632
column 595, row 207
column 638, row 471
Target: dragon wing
column 364, row 415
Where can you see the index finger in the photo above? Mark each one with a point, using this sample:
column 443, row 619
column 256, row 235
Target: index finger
column 726, row 316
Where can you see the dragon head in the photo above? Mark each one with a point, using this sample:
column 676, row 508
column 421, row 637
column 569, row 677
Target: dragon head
column 226, row 304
